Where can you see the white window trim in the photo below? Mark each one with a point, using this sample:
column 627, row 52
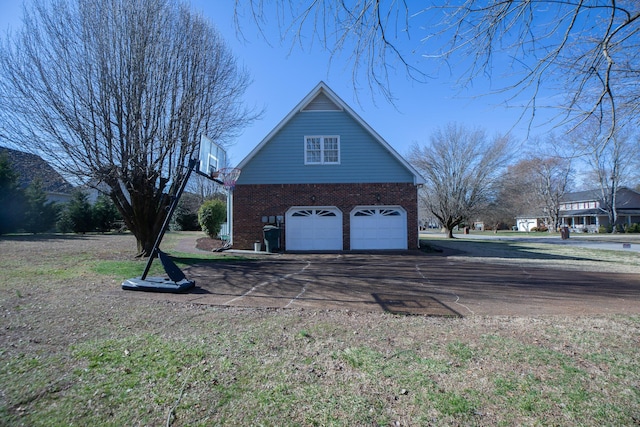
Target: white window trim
column 322, row 161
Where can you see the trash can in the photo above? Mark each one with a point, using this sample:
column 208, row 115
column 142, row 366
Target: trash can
column 271, row 237
column 466, row 230
column 564, row 233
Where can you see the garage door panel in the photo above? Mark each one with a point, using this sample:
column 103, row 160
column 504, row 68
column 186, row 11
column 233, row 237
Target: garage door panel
column 378, row 228
column 314, row 229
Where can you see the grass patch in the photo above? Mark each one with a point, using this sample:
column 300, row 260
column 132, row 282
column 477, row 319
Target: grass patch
column 134, row 268
column 71, row 354
column 126, row 269
column 247, row 368
column 544, row 254
column 460, row 351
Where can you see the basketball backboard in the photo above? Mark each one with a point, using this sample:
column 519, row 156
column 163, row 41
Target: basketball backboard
column 212, row 157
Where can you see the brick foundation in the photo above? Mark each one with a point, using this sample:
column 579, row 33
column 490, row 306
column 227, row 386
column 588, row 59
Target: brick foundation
column 253, row 202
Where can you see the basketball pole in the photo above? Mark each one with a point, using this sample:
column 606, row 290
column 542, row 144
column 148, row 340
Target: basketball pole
column 165, row 224
column 230, row 214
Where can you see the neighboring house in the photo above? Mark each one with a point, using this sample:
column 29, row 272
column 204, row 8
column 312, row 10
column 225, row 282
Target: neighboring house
column 529, row 222
column 94, row 189
column 583, row 210
column 29, row 167
column 329, row 181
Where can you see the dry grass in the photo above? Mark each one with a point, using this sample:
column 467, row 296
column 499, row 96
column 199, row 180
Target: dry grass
column 547, row 255
column 75, row 350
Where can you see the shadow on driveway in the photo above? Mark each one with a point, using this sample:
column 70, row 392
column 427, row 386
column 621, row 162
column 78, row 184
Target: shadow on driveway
column 408, row 283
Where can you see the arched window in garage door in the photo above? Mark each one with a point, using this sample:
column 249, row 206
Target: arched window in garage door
column 312, row 228
column 312, row 212
column 378, row 227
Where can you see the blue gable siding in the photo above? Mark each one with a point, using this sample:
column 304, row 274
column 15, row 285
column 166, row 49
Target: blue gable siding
column 362, row 158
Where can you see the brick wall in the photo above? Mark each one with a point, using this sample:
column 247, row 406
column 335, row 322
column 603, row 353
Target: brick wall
column 253, row 202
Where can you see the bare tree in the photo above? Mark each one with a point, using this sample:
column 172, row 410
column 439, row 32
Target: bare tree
column 118, row 92
column 204, row 188
column 552, row 180
column 610, row 160
column 515, row 195
column 588, row 50
column 496, row 214
column 461, row 167
column 537, row 184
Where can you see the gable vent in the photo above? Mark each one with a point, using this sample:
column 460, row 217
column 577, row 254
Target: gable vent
column 321, row 103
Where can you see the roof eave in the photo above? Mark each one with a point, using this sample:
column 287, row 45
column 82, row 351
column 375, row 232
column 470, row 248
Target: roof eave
column 322, row 86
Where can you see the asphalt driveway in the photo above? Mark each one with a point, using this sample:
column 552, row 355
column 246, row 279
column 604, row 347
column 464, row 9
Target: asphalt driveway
column 410, row 283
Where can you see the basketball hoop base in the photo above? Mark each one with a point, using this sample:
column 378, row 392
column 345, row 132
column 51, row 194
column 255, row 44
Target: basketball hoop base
column 157, row 284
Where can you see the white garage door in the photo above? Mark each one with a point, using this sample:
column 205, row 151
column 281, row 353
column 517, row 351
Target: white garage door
column 313, row 228
column 379, row 227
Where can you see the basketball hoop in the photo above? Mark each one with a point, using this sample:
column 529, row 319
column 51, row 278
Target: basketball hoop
column 229, row 176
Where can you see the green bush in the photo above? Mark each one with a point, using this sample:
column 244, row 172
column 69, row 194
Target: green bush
column 77, row 215
column 633, row 228
column 104, row 214
column 211, row 215
column 184, row 218
column 540, row 229
column 64, row 223
column 28, row 210
column 39, row 215
column 11, row 197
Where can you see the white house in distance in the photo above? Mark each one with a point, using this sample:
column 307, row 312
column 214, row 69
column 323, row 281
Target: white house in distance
column 530, row 222
column 328, row 181
column 29, row 167
column 583, row 211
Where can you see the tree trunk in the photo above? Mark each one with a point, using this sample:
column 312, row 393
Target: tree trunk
column 145, row 244
column 146, row 79
column 449, row 232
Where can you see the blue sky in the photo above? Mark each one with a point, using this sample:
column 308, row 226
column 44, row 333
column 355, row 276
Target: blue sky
column 283, row 73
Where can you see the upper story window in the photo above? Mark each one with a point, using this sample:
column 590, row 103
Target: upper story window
column 321, row 150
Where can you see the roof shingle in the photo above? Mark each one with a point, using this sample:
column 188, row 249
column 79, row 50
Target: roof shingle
column 30, row 166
